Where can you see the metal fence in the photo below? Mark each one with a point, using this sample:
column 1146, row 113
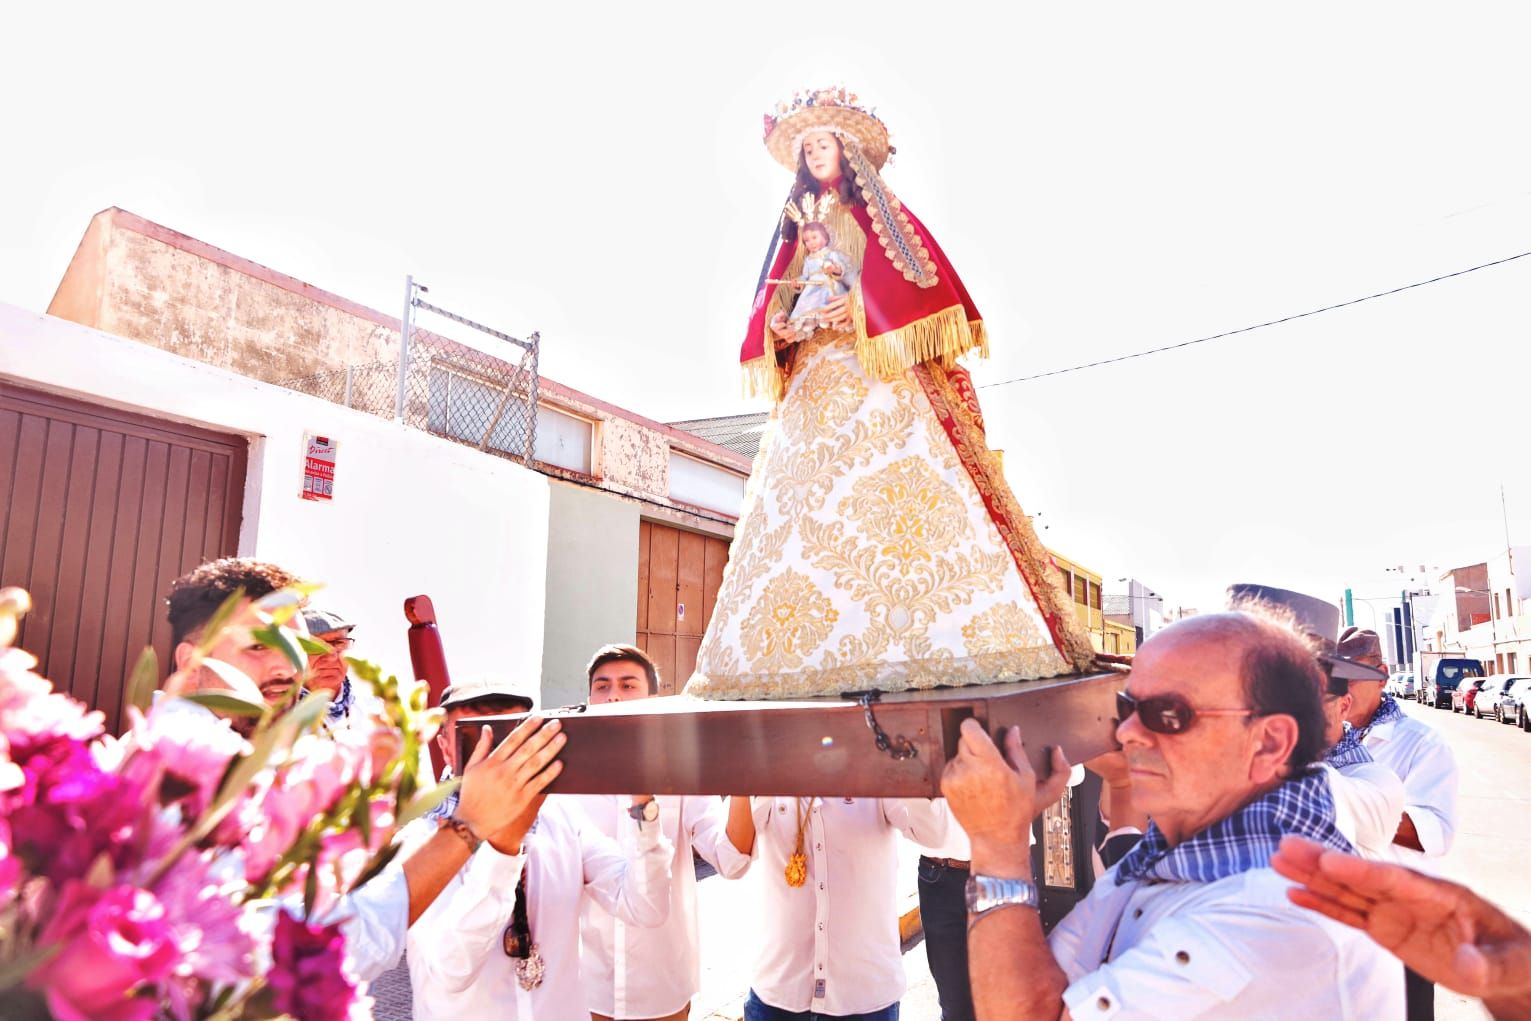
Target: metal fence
column 446, row 388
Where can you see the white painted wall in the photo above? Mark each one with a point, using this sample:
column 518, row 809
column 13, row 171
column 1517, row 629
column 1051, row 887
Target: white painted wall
column 412, row 513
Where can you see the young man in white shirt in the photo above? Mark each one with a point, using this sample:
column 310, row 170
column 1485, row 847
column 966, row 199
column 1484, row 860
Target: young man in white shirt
column 827, row 871
column 1424, row 762
column 502, row 941
column 634, row 974
column 1220, row 723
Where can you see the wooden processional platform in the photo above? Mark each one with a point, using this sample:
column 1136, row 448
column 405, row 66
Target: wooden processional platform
column 856, row 745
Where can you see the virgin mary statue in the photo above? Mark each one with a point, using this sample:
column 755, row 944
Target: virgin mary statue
column 879, row 546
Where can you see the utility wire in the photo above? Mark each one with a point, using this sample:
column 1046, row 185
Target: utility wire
column 1257, row 326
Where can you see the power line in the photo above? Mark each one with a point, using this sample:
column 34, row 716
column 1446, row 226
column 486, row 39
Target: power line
column 1257, row 326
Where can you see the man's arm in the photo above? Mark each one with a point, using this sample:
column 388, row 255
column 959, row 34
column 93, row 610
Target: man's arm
column 1430, row 799
column 1012, row 970
column 1442, row 930
column 634, row 889
column 706, row 818
column 741, row 824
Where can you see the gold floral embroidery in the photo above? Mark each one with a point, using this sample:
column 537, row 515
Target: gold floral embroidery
column 826, row 398
column 789, row 620
column 805, row 475
column 909, row 510
column 1003, row 628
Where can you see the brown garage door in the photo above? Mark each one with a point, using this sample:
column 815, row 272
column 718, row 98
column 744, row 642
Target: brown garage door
column 104, row 509
column 679, row 574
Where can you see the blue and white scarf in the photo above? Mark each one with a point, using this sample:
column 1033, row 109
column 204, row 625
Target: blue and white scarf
column 448, row 805
column 1243, row 841
column 341, row 707
column 1348, row 750
column 1388, row 711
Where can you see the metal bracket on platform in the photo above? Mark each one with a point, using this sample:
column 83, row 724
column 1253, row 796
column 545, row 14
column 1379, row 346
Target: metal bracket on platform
column 899, row 747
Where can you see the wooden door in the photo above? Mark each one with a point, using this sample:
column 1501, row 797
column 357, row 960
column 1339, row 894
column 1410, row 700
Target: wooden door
column 104, row 508
column 679, row 573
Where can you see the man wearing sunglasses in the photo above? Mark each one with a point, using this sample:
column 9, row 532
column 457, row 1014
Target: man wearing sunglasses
column 1221, row 723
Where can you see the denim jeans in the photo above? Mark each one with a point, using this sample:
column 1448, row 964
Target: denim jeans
column 757, row 1010
column 944, row 917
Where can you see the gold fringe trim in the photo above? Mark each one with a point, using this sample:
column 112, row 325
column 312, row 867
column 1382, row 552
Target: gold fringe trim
column 763, row 377
column 943, row 336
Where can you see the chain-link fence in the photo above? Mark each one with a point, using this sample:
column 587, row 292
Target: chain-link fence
column 449, row 389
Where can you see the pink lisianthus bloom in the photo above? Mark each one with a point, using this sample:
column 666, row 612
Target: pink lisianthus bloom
column 69, row 811
column 201, row 895
column 184, row 747
column 343, row 856
column 10, row 865
column 30, row 709
column 117, row 948
column 308, row 978
column 314, row 779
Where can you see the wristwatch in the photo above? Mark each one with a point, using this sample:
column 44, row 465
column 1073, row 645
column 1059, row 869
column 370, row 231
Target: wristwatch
column 646, row 812
column 990, row 893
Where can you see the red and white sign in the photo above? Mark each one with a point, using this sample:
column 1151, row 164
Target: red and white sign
column 319, row 468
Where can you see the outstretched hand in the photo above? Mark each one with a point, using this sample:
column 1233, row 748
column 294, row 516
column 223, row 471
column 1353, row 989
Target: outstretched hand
column 1443, row 931
column 502, row 789
column 993, row 799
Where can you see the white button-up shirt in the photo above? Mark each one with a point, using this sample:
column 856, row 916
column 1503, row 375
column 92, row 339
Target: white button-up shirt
column 831, row 945
column 457, row 962
column 1424, row 761
column 1235, row 948
column 1368, row 803
column 647, row 973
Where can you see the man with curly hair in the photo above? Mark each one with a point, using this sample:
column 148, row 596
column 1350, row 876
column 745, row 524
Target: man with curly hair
column 193, row 600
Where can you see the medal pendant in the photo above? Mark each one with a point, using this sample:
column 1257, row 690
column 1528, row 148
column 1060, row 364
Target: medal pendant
column 530, row 969
column 797, row 869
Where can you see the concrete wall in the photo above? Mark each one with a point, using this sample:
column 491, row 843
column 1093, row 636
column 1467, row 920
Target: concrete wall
column 592, row 585
column 411, row 514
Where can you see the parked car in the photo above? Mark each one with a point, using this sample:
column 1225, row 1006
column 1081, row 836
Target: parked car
column 1465, row 695
column 1515, row 701
column 1441, row 678
column 1486, row 702
column 1401, row 685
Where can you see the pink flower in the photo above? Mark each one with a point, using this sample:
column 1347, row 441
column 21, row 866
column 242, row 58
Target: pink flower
column 183, row 746
column 201, row 898
column 307, row 978
column 309, row 786
column 68, row 810
column 118, row 947
column 29, row 708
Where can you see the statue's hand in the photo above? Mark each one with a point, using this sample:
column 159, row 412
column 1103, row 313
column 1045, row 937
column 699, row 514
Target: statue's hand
column 837, row 313
column 786, row 333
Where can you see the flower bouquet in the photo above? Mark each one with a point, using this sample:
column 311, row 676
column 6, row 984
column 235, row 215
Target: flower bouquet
column 189, row 868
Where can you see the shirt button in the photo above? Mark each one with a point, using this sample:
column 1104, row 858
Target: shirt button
column 821, row 886
column 1104, row 1003
column 821, row 926
column 1182, row 957
column 818, row 847
column 821, row 967
column 1137, row 912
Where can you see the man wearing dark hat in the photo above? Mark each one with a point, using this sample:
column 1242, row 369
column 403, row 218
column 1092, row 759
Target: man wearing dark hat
column 503, row 939
column 1368, row 796
column 328, row 673
column 1424, row 761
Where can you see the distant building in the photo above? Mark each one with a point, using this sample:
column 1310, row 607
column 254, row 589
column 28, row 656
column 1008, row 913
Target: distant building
column 1083, row 586
column 1140, row 608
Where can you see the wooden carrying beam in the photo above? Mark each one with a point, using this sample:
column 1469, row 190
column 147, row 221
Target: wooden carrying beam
column 820, row 747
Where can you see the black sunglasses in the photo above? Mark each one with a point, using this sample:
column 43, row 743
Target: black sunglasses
column 1166, row 714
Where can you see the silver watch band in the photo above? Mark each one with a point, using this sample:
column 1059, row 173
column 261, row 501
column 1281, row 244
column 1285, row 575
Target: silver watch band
column 986, row 894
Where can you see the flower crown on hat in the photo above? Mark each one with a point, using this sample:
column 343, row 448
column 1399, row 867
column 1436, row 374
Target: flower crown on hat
column 833, row 109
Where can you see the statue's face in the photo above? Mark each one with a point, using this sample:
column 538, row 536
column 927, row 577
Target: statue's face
column 821, row 152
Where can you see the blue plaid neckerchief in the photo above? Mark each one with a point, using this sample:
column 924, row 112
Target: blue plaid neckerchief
column 341, row 707
column 1348, row 750
column 1241, row 842
column 448, row 805
column 1389, row 711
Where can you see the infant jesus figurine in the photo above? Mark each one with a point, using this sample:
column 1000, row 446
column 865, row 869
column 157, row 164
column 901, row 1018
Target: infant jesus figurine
column 825, row 277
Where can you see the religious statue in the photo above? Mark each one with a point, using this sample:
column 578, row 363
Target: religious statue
column 879, row 546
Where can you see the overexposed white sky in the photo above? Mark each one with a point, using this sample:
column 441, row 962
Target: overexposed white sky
column 1106, row 177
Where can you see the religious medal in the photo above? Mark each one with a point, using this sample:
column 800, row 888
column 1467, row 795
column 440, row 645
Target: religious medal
column 511, row 941
column 797, row 865
column 529, row 969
